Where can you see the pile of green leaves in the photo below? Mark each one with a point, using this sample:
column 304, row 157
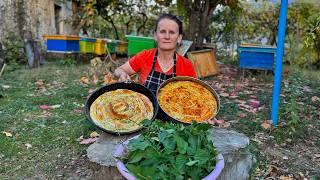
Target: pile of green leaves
column 172, row 151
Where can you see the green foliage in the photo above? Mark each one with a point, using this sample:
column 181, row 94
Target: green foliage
column 115, row 19
column 172, row 151
column 67, row 62
column 14, row 51
column 293, row 116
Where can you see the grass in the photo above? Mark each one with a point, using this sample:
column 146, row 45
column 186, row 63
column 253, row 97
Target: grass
column 53, row 134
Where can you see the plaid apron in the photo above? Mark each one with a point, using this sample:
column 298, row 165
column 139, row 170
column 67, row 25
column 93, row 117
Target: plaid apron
column 155, row 78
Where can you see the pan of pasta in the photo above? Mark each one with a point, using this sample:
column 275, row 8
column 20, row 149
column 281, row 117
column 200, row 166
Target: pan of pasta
column 187, row 99
column 119, row 108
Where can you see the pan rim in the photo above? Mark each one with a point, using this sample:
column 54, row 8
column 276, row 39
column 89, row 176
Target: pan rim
column 198, row 81
column 98, row 92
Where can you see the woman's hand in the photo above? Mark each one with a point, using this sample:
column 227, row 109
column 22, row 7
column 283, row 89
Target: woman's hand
column 121, row 75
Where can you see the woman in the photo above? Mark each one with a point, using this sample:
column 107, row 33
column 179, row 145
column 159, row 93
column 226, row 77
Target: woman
column 159, row 64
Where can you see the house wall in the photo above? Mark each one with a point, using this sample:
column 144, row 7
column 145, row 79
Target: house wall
column 34, row 18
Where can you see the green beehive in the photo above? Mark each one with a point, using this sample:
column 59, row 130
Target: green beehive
column 138, row 43
column 111, row 44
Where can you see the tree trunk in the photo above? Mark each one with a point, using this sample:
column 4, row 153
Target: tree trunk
column 144, row 21
column 199, row 13
column 114, row 28
column 77, row 23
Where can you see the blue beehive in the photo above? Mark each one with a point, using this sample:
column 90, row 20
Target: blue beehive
column 61, row 43
column 257, row 57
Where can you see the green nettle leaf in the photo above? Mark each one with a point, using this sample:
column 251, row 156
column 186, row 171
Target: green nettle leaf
column 171, row 151
column 191, row 163
column 138, row 143
column 148, row 162
column 181, row 144
column 136, row 156
column 179, row 177
column 193, row 145
column 171, row 131
column 203, row 127
column 169, row 144
column 163, row 135
column 194, row 173
column 202, row 156
column 135, row 169
column 181, row 161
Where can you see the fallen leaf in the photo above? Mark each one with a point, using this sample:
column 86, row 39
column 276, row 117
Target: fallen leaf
column 215, row 121
column 306, row 89
column 47, row 107
column 39, row 82
column 240, row 101
column 256, row 140
column 88, row 141
column 233, row 97
column 94, row 134
column 223, row 94
column 273, row 171
column 285, row 178
column 266, row 125
column 44, row 107
column 78, row 110
column 5, row 86
column 254, row 103
column 224, row 125
column 7, row 133
column 238, row 86
column 315, row 98
column 95, row 79
column 55, row 106
column 91, row 91
column 80, row 138
column 108, row 79
column 219, row 121
column 84, row 80
column 285, row 158
column 28, row 145
column 242, row 115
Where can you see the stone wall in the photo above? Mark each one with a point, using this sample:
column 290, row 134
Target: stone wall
column 34, row 18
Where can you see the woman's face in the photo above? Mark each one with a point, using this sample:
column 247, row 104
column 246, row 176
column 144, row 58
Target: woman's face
column 167, row 34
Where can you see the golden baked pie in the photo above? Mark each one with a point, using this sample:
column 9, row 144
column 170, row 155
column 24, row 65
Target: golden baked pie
column 121, row 110
column 187, row 101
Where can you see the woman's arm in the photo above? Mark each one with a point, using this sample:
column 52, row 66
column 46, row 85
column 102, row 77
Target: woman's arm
column 124, row 72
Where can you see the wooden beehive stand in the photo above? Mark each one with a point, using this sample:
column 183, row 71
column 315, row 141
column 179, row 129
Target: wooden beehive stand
column 204, row 62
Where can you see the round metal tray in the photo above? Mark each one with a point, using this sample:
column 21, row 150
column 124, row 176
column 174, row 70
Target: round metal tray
column 163, row 115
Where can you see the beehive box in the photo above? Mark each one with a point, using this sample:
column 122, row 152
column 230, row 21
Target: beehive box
column 112, row 44
column 100, row 47
column 204, row 62
column 256, row 56
column 62, row 43
column 122, row 47
column 138, row 43
column 87, row 45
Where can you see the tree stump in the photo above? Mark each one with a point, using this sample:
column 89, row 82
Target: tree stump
column 231, row 144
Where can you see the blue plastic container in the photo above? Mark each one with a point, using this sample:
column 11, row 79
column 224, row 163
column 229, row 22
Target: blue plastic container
column 61, row 43
column 257, row 57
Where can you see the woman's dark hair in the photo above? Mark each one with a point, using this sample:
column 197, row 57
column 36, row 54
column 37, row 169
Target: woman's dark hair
column 170, row 17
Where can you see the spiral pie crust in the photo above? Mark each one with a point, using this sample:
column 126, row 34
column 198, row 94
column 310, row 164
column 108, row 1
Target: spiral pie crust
column 121, row 110
column 187, row 101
